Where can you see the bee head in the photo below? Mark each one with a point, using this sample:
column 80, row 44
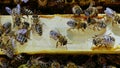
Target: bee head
column 71, row 23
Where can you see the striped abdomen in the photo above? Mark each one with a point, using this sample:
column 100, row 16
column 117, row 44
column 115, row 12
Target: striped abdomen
column 21, row 38
column 38, row 28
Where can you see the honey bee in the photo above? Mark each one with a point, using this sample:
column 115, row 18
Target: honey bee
column 61, row 40
column 37, row 63
column 7, row 27
column 8, row 50
column 71, row 65
column 55, row 65
column 77, row 25
column 23, row 34
column 36, row 25
column 104, row 41
column 99, row 25
column 26, row 11
column 17, row 21
column 77, row 10
column 19, row 1
column 92, row 11
column 14, row 11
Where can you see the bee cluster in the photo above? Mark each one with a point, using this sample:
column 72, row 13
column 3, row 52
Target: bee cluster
column 61, row 61
column 20, row 31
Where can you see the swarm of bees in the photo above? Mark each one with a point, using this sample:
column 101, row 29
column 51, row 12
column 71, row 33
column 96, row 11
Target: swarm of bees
column 61, row 40
column 61, row 61
column 104, row 41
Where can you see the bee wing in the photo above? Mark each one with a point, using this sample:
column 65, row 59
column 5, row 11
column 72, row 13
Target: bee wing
column 8, row 10
column 25, row 1
column 18, row 8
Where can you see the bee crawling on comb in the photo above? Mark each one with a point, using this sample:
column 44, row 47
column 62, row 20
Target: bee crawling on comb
column 37, row 26
column 77, row 25
column 23, row 34
column 61, row 40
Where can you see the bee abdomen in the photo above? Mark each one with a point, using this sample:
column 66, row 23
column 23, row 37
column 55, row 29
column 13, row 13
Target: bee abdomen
column 21, row 38
column 38, row 29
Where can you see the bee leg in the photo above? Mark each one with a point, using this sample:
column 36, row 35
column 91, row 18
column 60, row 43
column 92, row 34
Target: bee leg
column 83, row 29
column 70, row 29
column 57, row 44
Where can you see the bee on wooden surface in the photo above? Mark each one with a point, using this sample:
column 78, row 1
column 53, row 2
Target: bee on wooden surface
column 7, row 27
column 37, row 26
column 92, row 11
column 35, row 18
column 99, row 25
column 104, row 41
column 16, row 14
column 26, row 11
column 23, row 34
column 61, row 40
column 77, row 10
column 109, row 12
column 17, row 21
column 77, row 25
column 14, row 11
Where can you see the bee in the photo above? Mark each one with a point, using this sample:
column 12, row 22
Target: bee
column 1, row 31
column 17, row 21
column 19, row 59
column 36, row 25
column 77, row 10
column 26, row 11
column 16, row 14
column 55, row 65
column 35, row 18
column 71, row 65
column 1, row 43
column 7, row 27
column 19, row 1
column 23, row 34
column 92, row 11
column 99, row 25
column 14, row 11
column 104, row 41
column 77, row 25
column 91, row 21
column 61, row 40
column 37, row 63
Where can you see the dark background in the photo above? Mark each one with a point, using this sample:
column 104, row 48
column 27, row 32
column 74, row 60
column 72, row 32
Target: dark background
column 55, row 7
